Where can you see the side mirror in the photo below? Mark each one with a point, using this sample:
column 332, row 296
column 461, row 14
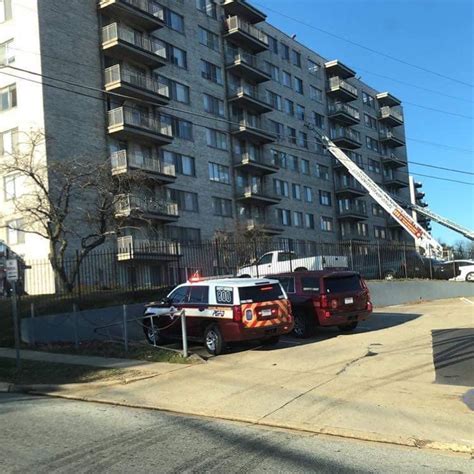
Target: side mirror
column 166, row 301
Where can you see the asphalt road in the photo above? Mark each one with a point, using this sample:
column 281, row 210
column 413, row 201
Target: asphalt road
column 40, row 434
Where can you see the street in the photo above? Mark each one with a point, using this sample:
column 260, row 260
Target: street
column 54, row 435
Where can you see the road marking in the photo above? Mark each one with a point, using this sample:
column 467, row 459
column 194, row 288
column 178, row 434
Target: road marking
column 467, row 301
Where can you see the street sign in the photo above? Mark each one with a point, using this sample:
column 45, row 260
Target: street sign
column 12, row 269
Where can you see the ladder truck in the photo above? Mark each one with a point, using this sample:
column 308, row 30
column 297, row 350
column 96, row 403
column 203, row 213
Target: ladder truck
column 422, row 238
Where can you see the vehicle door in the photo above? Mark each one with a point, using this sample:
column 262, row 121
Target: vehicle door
column 284, row 262
column 176, row 299
column 264, row 265
column 197, row 309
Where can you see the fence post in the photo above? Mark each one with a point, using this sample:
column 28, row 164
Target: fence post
column 255, row 256
column 405, row 259
column 351, row 254
column 33, row 327
column 178, row 263
column 76, row 336
column 125, row 328
column 379, row 262
column 431, row 263
column 78, row 266
column 218, row 260
column 184, row 334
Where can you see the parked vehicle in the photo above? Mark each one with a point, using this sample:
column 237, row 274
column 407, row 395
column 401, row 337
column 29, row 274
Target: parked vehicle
column 280, row 261
column 326, row 298
column 457, row 270
column 221, row 311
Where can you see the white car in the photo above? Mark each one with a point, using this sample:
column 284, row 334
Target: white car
column 464, row 269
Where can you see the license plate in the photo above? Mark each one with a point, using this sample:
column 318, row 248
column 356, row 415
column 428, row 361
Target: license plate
column 348, row 300
column 266, row 312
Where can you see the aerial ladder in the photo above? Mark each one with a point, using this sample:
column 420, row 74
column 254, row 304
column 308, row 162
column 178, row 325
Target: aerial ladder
column 422, row 237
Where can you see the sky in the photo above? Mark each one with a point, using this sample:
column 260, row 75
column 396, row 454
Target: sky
column 434, row 34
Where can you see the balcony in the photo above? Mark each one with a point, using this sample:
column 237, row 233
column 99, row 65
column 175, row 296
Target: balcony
column 125, row 81
column 126, row 123
column 352, row 213
column 336, row 68
column 131, row 248
column 391, row 139
column 346, row 138
column 245, row 35
column 354, row 236
column 393, row 161
column 247, row 66
column 344, row 114
column 249, row 98
column 256, row 195
column 341, row 90
column 143, row 14
column 126, row 44
column 392, row 223
column 123, row 161
column 136, row 206
column 262, row 225
column 261, row 165
column 387, row 99
column 349, row 189
column 252, row 130
column 243, row 9
column 390, row 116
column 394, row 181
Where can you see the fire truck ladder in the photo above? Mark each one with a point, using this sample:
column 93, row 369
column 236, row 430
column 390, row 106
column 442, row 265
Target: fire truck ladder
column 442, row 220
column 422, row 238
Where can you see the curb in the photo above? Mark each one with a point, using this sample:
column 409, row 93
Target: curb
column 323, row 430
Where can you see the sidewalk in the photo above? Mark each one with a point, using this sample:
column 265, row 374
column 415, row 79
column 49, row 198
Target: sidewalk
column 377, row 384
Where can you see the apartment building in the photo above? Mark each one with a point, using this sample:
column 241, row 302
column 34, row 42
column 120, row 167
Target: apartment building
column 215, row 105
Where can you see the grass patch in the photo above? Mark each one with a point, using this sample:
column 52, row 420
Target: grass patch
column 33, row 372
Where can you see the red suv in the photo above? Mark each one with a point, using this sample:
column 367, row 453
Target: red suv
column 326, row 298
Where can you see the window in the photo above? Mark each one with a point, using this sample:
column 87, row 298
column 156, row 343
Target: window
column 380, row 232
column 377, row 210
column 291, row 134
column 288, row 284
column 318, row 120
column 372, row 144
column 5, row 10
column 374, row 166
column 13, row 186
column 368, row 100
column 216, row 139
column 208, row 7
column 286, row 79
column 213, row 105
column 308, row 194
column 362, row 229
column 198, row 294
column 179, row 295
column 315, row 94
column 173, row 20
column 370, row 121
column 8, row 97
column 299, row 85
column 302, row 139
column 183, row 234
column 208, row 38
column 222, row 207
column 182, row 129
column 177, row 56
column 285, row 51
column 296, row 58
column 313, row 68
column 14, row 233
column 8, row 141
column 178, row 92
column 284, row 217
column 298, row 219
column 356, row 158
column 186, row 201
column 309, row 221
column 183, row 164
column 327, row 224
column 211, row 72
column 273, row 70
column 277, row 128
column 274, row 100
column 292, row 162
column 299, row 112
column 7, row 53
column 305, row 166
column 322, row 172
column 279, row 158
column 219, row 173
column 272, row 44
column 281, row 187
column 289, row 107
column 296, row 191
column 324, row 198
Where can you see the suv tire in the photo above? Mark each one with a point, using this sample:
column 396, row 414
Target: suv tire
column 213, row 340
column 303, row 325
column 153, row 338
column 348, row 327
column 470, row 276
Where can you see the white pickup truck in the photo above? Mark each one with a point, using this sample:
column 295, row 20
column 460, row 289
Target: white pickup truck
column 280, row 261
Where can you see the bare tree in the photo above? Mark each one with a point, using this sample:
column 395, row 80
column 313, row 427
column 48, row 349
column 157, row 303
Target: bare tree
column 70, row 202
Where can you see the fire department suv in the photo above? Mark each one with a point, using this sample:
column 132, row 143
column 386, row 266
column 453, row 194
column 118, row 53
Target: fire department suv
column 222, row 311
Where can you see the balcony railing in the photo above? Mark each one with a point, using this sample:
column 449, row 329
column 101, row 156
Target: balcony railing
column 264, row 160
column 130, row 247
column 344, row 108
column 264, row 224
column 122, row 160
column 351, row 210
column 236, row 23
column 351, row 185
column 148, row 6
column 119, row 73
column 115, row 32
column 391, row 136
column 256, row 190
column 391, row 112
column 247, row 58
column 341, row 132
column 129, row 203
column 125, row 116
column 248, row 91
column 338, row 83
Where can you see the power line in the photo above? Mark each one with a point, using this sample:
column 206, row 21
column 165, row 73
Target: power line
column 441, row 168
column 203, row 116
column 439, row 110
column 367, row 48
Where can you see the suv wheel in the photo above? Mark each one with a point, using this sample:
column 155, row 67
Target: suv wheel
column 303, row 327
column 470, row 276
column 348, row 327
column 152, row 333
column 213, row 340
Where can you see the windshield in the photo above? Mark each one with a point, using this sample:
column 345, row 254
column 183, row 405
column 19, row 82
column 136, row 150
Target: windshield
column 343, row 284
column 260, row 293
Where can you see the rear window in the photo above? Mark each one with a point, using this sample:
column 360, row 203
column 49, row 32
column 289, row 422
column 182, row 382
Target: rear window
column 343, row 284
column 310, row 285
column 260, row 293
column 288, row 283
